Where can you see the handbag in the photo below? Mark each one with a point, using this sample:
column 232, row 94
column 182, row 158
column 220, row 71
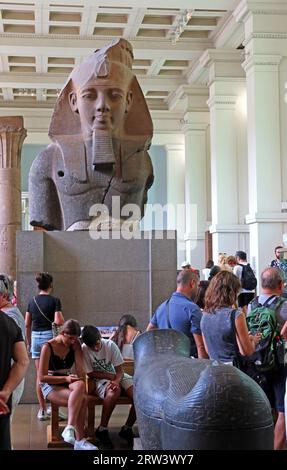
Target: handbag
column 55, row 327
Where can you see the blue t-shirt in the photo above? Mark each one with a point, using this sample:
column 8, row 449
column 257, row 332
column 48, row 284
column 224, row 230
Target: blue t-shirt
column 184, row 316
column 217, row 331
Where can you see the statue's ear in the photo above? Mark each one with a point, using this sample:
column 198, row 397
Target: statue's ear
column 73, row 102
column 129, row 99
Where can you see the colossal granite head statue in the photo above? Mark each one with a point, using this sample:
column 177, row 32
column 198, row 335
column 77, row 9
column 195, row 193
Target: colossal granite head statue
column 195, row 404
column 101, row 130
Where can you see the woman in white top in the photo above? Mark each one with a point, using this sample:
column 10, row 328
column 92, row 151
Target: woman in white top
column 125, row 335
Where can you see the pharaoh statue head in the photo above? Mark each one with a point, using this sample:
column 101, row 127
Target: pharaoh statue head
column 101, row 129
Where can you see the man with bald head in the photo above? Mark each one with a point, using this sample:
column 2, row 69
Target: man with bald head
column 272, row 285
column 181, row 313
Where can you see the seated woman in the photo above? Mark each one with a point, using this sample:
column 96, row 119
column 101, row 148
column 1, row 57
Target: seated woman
column 125, row 335
column 60, row 387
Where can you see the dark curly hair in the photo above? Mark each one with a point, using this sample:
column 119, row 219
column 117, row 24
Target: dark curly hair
column 44, row 280
column 222, row 291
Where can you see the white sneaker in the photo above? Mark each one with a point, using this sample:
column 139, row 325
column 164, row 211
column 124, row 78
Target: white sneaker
column 69, row 434
column 83, row 444
column 42, row 415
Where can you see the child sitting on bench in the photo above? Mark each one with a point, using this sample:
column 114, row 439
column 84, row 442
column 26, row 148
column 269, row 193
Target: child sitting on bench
column 103, row 362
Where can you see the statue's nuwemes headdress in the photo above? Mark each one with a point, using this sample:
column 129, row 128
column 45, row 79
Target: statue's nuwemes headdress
column 137, row 125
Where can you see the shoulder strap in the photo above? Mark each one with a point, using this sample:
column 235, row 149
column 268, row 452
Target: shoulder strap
column 272, row 298
column 233, row 327
column 42, row 313
column 52, row 355
column 167, row 313
column 135, row 336
column 254, row 303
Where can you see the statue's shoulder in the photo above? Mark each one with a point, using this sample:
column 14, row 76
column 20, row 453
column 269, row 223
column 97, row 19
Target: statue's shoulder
column 45, row 158
column 49, row 151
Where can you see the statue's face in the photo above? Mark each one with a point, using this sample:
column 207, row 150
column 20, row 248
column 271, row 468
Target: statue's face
column 101, row 104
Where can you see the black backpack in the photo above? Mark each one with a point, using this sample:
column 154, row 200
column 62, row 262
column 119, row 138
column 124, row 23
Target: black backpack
column 248, row 279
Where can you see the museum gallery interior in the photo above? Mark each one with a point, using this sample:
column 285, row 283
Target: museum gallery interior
column 205, row 148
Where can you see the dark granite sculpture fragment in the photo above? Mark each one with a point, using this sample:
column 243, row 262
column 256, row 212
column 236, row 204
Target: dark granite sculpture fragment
column 101, row 130
column 193, row 404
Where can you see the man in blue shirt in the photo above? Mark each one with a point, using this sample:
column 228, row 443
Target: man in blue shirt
column 181, row 314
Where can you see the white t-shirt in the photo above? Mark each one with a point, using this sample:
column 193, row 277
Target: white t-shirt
column 104, row 360
column 206, row 272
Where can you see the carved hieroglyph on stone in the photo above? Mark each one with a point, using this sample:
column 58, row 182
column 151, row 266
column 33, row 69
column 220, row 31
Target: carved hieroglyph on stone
column 12, row 135
column 101, row 130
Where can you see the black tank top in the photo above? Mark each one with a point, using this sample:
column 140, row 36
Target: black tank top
column 57, row 363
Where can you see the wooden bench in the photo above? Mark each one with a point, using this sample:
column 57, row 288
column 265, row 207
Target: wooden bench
column 54, row 430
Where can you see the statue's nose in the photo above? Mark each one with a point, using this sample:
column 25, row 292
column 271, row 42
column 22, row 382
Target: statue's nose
column 102, row 104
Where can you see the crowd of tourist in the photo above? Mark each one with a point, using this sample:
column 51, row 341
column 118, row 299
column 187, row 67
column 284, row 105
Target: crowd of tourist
column 213, row 313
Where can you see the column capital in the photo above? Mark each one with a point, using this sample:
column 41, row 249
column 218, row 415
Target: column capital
column 211, row 56
column 12, row 135
column 223, row 64
column 222, row 101
column 262, row 63
column 193, row 97
column 246, row 8
column 174, row 147
column 266, row 217
column 232, row 228
column 194, row 121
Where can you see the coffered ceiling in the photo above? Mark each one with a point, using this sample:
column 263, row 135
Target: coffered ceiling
column 41, row 42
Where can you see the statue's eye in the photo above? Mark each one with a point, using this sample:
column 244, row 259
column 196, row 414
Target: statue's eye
column 89, row 95
column 116, row 94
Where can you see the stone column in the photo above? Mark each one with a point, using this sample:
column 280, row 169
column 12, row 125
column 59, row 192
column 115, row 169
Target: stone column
column 12, row 135
column 228, row 187
column 265, row 44
column 175, row 195
column 195, row 127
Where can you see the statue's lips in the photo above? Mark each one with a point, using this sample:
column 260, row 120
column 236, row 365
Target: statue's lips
column 101, row 122
column 102, row 119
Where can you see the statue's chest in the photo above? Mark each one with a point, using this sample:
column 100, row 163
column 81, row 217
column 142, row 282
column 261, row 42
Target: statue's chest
column 71, row 182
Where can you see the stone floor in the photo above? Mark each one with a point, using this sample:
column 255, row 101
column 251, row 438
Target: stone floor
column 28, row 433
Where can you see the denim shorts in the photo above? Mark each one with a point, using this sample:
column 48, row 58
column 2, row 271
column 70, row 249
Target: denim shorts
column 48, row 388
column 38, row 338
column 102, row 384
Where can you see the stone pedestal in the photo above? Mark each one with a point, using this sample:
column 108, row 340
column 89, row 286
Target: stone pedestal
column 97, row 281
column 12, row 135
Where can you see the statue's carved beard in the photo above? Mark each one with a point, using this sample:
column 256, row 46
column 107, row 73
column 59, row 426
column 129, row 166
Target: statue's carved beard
column 102, row 149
